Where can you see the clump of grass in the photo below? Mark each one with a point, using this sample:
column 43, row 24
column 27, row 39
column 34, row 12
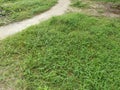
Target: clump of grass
column 79, row 4
column 16, row 10
column 100, row 11
column 114, row 1
column 68, row 52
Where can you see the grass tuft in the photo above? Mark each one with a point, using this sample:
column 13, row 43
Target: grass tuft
column 79, row 4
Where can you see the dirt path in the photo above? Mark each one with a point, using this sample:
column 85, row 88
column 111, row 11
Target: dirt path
column 13, row 28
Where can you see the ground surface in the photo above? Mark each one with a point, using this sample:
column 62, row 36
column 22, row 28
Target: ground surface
column 13, row 28
column 16, row 10
column 97, row 7
column 113, row 1
column 73, row 51
column 69, row 52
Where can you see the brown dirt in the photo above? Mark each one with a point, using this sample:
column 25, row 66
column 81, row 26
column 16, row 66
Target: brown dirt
column 113, row 8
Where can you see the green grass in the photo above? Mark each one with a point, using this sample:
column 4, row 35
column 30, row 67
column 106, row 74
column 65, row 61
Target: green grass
column 78, row 4
column 81, row 4
column 69, row 52
column 114, row 1
column 16, row 10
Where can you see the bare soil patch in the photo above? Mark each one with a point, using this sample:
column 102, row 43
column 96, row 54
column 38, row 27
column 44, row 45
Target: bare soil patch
column 113, row 8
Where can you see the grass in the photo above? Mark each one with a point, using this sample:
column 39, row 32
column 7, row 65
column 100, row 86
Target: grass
column 114, row 1
column 69, row 52
column 16, row 10
column 78, row 4
column 81, row 4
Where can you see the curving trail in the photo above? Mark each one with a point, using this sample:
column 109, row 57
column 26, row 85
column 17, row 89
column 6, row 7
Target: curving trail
column 13, row 28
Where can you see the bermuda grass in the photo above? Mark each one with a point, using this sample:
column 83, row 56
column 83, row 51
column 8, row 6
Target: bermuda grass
column 16, row 10
column 68, row 52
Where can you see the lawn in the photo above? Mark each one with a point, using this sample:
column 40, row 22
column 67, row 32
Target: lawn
column 68, row 52
column 16, row 10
